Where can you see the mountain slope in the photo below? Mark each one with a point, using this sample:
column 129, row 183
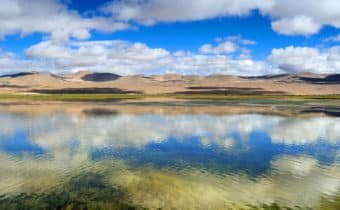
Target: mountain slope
column 93, row 82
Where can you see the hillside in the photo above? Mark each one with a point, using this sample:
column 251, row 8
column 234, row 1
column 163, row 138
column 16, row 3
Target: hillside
column 91, row 82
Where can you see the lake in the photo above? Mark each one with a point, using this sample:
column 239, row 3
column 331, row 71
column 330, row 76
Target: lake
column 170, row 155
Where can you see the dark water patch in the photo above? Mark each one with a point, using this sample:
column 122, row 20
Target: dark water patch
column 84, row 91
column 100, row 112
column 100, row 77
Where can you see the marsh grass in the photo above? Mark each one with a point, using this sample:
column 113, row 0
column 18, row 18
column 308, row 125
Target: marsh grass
column 87, row 191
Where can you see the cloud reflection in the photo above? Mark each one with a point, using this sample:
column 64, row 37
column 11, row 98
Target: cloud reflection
column 137, row 130
column 69, row 140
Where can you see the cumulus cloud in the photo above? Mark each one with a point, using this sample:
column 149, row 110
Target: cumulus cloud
column 229, row 55
column 224, row 47
column 305, row 59
column 124, row 58
column 238, row 39
column 52, row 18
column 333, row 38
column 9, row 63
column 297, row 25
column 302, row 17
column 128, row 58
column 289, row 17
column 110, row 56
column 153, row 11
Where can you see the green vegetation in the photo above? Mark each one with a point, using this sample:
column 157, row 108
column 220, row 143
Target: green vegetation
column 87, row 191
column 72, row 97
column 246, row 97
column 104, row 97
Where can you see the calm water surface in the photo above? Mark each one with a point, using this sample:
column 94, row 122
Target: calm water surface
column 106, row 159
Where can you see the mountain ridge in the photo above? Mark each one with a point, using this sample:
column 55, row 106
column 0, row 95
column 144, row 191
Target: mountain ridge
column 104, row 82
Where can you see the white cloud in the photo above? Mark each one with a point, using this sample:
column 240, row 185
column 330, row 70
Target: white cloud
column 236, row 39
column 297, row 25
column 302, row 17
column 333, row 39
column 149, row 12
column 128, row 58
column 289, row 16
column 305, row 59
column 109, row 56
column 52, row 18
column 224, row 47
column 137, row 58
column 9, row 63
column 228, row 55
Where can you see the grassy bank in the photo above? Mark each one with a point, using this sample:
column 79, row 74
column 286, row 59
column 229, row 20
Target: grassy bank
column 75, row 97
column 104, row 97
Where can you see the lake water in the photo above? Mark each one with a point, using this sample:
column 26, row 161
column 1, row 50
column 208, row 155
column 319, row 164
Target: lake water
column 169, row 155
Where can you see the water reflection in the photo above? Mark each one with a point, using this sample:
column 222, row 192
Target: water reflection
column 195, row 161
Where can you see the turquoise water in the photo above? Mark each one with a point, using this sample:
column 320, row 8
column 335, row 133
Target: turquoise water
column 121, row 160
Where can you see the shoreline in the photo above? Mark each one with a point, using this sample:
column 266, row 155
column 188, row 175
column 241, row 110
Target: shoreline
column 105, row 97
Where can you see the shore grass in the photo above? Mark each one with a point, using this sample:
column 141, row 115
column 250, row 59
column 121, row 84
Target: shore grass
column 75, row 97
column 104, row 97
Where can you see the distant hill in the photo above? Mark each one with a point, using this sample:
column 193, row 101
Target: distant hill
column 101, row 82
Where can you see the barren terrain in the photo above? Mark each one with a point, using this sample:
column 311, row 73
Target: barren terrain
column 91, row 83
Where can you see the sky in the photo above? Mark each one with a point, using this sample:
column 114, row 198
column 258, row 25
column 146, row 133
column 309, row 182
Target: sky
column 204, row 37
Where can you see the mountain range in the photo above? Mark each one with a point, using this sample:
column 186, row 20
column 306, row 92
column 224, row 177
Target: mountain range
column 95, row 82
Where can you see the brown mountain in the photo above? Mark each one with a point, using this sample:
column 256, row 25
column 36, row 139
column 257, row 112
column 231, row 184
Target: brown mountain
column 94, row 82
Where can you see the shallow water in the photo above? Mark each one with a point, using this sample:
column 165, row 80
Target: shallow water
column 123, row 156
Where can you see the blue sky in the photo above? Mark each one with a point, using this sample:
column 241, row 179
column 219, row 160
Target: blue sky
column 247, row 37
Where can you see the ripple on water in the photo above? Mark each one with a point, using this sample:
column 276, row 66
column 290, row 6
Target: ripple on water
column 160, row 161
